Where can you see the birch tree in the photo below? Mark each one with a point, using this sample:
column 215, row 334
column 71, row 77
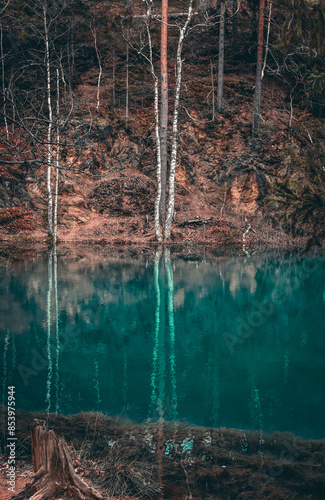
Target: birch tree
column 50, row 122
column 149, row 59
column 173, row 157
column 258, row 83
column 30, row 80
column 4, row 90
column 57, row 160
column 163, row 229
column 221, row 57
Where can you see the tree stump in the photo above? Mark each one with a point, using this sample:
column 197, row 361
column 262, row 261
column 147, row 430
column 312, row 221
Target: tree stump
column 54, row 472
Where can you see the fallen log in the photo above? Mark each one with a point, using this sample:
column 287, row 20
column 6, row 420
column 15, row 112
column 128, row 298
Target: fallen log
column 54, row 472
column 199, row 222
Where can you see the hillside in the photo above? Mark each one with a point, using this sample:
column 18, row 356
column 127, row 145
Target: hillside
column 224, row 178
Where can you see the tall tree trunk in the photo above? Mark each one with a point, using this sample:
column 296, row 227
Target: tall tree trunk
column 99, row 67
column 50, row 122
column 258, row 84
column 213, row 93
column 4, row 91
column 10, row 91
column 221, row 57
column 127, row 85
column 267, row 38
column 173, row 156
column 163, row 108
column 149, row 59
column 113, row 84
column 56, row 190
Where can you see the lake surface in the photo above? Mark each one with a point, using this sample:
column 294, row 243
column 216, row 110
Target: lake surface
column 233, row 342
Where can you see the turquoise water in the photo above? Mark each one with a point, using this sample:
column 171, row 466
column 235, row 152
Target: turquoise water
column 233, row 342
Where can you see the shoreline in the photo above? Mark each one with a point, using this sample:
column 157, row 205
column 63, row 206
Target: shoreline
column 215, row 463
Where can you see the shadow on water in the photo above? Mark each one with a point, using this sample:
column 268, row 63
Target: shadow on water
column 210, row 368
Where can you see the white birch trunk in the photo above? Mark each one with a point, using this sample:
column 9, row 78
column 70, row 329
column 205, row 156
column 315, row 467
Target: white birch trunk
column 100, row 68
column 56, row 192
column 213, row 94
column 127, row 85
column 49, row 129
column 4, row 92
column 221, row 58
column 267, row 39
column 113, row 85
column 173, row 160
column 158, row 232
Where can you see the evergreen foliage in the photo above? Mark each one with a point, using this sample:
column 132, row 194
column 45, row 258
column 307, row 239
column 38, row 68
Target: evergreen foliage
column 302, row 206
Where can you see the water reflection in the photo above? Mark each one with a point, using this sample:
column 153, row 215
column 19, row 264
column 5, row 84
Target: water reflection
column 164, row 340
column 220, row 342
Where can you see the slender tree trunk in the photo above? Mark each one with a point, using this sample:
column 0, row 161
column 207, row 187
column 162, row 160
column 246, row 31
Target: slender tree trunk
column 12, row 102
column 221, row 57
column 163, row 108
column 267, row 38
column 57, row 163
column 4, row 91
column 258, row 84
column 50, row 122
column 213, row 94
column 173, row 157
column 158, row 232
column 100, row 68
column 127, row 84
column 113, row 85
column 158, row 226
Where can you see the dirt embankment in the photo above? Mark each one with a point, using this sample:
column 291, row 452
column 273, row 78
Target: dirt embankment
column 223, row 179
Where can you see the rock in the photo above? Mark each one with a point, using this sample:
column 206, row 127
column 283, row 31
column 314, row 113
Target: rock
column 247, row 183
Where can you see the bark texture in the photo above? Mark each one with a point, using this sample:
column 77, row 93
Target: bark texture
column 258, row 84
column 158, row 232
column 163, row 108
column 173, row 156
column 50, row 122
column 221, row 57
column 54, row 472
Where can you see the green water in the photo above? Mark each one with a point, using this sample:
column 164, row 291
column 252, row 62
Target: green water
column 233, row 342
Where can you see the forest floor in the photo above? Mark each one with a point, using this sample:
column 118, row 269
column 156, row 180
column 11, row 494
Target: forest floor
column 161, row 460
